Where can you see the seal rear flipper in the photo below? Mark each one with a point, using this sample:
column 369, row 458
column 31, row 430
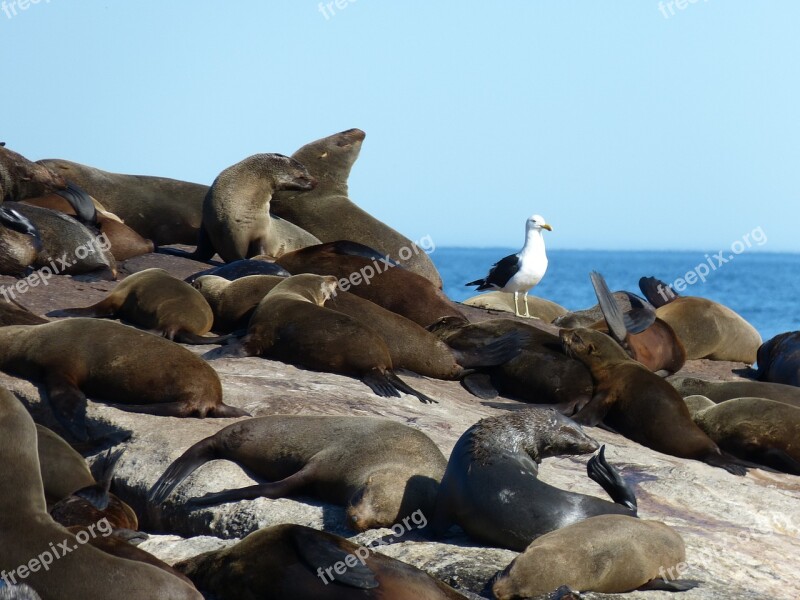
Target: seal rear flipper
column 275, row 489
column 380, row 384
column 641, row 315
column 69, row 406
column 196, row 456
column 609, row 307
column 98, row 495
column 480, row 385
column 494, row 353
column 677, row 585
column 404, row 387
column 81, row 203
column 600, row 471
column 318, row 551
column 657, row 292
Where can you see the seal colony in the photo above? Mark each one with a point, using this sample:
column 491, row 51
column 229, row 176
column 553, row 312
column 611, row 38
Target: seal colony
column 321, row 284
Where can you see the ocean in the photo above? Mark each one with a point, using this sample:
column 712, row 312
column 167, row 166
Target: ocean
column 762, row 287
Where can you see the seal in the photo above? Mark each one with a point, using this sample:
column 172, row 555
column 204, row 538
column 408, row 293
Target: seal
column 241, row 268
column 638, row 404
column 21, row 178
column 540, row 308
column 611, row 554
column 28, row 531
column 64, row 471
column 491, row 489
column 706, row 328
column 328, row 213
column 719, row 391
column 292, row 324
column 136, row 370
column 67, row 244
column 779, row 359
column 164, row 210
column 410, row 346
column 14, row 313
column 396, row 289
column 293, row 561
column 20, row 242
column 17, row 592
column 155, row 300
column 382, row 471
column 754, row 429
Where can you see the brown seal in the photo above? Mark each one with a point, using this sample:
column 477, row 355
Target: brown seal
column 382, row 471
column 155, row 300
column 136, row 370
column 779, row 359
column 754, row 429
column 64, row 471
column 638, row 404
column 21, row 178
column 611, row 554
column 292, row 324
column 293, row 561
column 491, row 489
column 540, row 308
column 75, row 570
column 395, row 288
column 20, row 242
column 164, row 210
column 719, row 391
column 328, row 213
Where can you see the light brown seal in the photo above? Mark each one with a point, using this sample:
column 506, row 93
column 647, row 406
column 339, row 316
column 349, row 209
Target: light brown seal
column 136, row 370
column 297, row 562
column 611, row 554
column 638, row 404
column 74, row 570
column 540, row 308
column 719, row 391
column 64, row 471
column 382, row 471
column 329, row 214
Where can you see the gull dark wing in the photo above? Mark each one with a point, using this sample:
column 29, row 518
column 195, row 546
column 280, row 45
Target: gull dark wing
column 499, row 274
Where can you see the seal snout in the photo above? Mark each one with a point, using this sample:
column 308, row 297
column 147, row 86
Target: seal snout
column 351, row 136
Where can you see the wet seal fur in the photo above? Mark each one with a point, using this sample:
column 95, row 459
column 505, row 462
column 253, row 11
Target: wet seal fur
column 292, row 324
column 329, row 214
column 382, row 471
column 779, row 359
column 610, row 554
column 293, row 561
column 83, row 572
column 137, row 371
column 754, row 429
column 491, row 489
column 638, row 404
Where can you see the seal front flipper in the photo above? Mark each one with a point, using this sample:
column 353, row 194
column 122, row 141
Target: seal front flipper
column 600, row 471
column 276, row 489
column 184, row 337
column 641, row 315
column 97, row 495
column 731, row 464
column 68, row 404
column 318, row 551
column 677, row 585
column 81, row 202
column 105, row 308
column 480, row 385
column 609, row 307
column 593, row 412
column 401, row 385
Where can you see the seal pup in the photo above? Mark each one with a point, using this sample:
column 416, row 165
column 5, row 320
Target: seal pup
column 293, row 561
column 292, row 324
column 779, row 359
column 328, row 213
column 543, row 309
column 638, row 404
column 754, row 429
column 28, row 531
column 21, row 178
column 164, row 210
column 491, row 487
column 719, row 391
column 611, row 554
column 20, row 242
column 396, row 289
column 136, row 371
column 520, row 272
column 382, row 471
column 707, row 329
column 67, row 244
column 155, row 300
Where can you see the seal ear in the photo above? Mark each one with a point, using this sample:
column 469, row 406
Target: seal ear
column 591, row 348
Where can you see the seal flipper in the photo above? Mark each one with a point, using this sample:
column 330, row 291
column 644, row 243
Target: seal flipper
column 81, row 202
column 480, row 385
column 184, row 337
column 779, row 459
column 600, row 471
column 731, row 464
column 196, row 456
column 350, row 248
column 593, row 411
column 68, row 403
column 609, row 307
column 97, row 495
column 103, row 309
column 275, row 489
column 657, row 292
column 494, row 353
column 404, row 387
column 319, row 551
column 677, row 585
column 641, row 315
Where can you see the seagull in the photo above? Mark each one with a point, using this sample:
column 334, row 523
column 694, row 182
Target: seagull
column 520, row 272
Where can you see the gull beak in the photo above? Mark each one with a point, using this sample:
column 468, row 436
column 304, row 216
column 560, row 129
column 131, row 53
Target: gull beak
column 546, row 226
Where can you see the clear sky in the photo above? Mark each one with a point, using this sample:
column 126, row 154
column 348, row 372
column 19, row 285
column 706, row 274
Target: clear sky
column 625, row 125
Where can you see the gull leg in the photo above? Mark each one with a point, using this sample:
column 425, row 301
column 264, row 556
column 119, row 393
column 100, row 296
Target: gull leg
column 516, row 304
column 527, row 310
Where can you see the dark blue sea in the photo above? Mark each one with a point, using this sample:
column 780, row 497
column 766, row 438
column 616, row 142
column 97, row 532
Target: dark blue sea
column 762, row 287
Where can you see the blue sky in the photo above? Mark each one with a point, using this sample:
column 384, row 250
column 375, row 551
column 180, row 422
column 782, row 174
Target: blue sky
column 623, row 127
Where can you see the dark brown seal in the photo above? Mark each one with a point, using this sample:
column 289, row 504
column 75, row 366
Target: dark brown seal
column 491, row 489
column 136, row 370
column 380, row 470
column 29, row 532
column 779, row 359
column 638, row 404
column 21, row 178
column 328, row 213
column 297, row 562
column 64, row 471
